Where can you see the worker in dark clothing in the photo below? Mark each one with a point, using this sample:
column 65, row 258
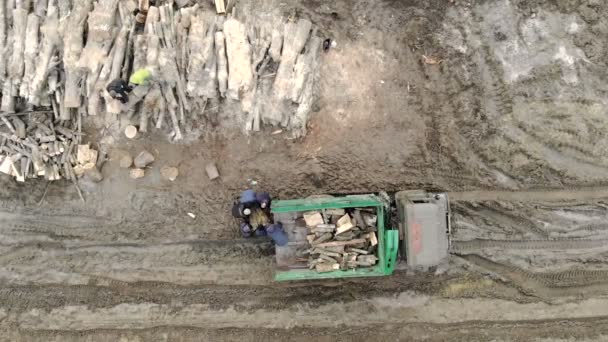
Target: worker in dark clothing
column 119, row 90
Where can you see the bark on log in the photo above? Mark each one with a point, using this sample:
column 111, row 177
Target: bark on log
column 276, row 45
column 295, row 37
column 16, row 67
column 196, row 63
column 40, row 8
column 140, row 52
column 299, row 119
column 73, row 43
column 172, row 107
column 98, row 49
column 150, row 107
column 238, row 50
column 3, row 42
column 209, row 85
column 30, row 53
column 119, row 52
column 50, row 41
column 222, row 63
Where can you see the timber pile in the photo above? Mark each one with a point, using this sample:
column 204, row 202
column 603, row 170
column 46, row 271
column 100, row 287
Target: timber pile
column 39, row 146
column 341, row 240
column 61, row 54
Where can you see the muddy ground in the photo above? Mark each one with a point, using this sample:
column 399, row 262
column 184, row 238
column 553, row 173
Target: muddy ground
column 517, row 102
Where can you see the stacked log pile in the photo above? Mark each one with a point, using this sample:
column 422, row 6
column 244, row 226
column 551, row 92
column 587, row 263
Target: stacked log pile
column 60, row 55
column 341, row 240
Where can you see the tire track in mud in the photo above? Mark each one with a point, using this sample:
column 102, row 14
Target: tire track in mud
column 475, row 246
column 550, row 280
column 548, row 195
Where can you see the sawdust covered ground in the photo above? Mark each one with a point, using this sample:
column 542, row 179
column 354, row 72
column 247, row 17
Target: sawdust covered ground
column 515, row 100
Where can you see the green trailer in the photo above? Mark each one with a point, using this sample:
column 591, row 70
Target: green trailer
column 421, row 237
column 286, row 212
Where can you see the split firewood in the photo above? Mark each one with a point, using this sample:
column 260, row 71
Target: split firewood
column 327, row 267
column 341, row 243
column 143, row 159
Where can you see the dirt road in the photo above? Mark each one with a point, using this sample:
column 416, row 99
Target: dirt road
column 510, row 119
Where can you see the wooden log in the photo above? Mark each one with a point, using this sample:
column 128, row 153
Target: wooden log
column 140, row 52
column 40, row 7
column 16, row 67
column 341, row 243
column 197, row 44
column 238, row 51
column 8, row 99
column 295, row 36
column 222, row 63
column 119, row 52
column 3, row 42
column 276, row 45
column 172, row 106
column 298, row 121
column 50, row 41
column 30, row 53
column 73, row 43
column 64, row 7
column 97, row 54
column 150, row 106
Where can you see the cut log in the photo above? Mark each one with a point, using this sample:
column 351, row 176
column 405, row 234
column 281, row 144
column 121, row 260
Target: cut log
column 299, row 119
column 341, row 243
column 73, row 43
column 16, row 67
column 40, row 7
column 143, row 159
column 30, row 54
column 119, row 52
column 50, row 41
column 172, row 107
column 238, row 51
column 150, row 107
column 140, row 52
column 222, row 63
column 276, row 44
column 327, row 267
column 295, row 36
column 3, row 42
column 198, row 45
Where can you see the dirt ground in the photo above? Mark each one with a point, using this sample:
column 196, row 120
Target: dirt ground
column 510, row 121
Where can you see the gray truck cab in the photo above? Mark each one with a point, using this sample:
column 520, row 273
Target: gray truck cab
column 424, row 227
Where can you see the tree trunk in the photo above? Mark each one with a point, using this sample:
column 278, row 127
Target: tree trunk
column 49, row 43
column 222, row 63
column 3, row 44
column 30, row 54
column 16, row 67
column 73, row 45
column 238, row 50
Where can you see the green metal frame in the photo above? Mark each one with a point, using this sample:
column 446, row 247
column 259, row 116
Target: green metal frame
column 388, row 239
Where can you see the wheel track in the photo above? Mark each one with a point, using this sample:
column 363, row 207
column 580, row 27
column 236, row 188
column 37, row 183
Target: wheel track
column 475, row 246
column 556, row 280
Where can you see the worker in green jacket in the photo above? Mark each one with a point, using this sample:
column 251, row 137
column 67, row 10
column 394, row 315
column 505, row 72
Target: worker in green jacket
column 119, row 89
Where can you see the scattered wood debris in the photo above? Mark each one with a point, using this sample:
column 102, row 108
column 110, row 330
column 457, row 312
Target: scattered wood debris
column 169, row 173
column 212, row 171
column 347, row 244
column 143, row 159
column 431, row 60
column 38, row 144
